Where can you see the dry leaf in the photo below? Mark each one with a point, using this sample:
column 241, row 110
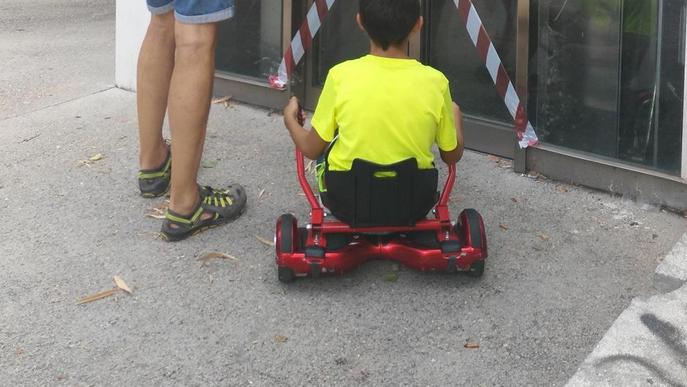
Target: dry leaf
column 281, row 339
column 562, row 189
column 391, row 277
column 222, row 100
column 264, row 241
column 471, row 345
column 158, row 212
column 97, row 296
column 210, row 256
column 494, row 158
column 503, row 227
column 544, row 237
column 92, row 159
column 209, row 164
column 121, row 284
column 262, row 192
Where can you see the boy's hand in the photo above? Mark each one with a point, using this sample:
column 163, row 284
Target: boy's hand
column 293, row 111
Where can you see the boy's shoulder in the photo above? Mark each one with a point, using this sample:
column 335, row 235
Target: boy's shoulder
column 434, row 74
column 424, row 71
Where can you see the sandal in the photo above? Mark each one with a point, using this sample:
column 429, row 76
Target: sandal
column 224, row 206
column 155, row 182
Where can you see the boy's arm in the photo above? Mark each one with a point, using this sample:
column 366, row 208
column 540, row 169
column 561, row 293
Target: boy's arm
column 452, row 157
column 307, row 141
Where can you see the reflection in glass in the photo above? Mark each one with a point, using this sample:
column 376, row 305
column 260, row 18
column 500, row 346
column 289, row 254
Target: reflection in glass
column 339, row 39
column 609, row 78
column 451, row 51
column 250, row 43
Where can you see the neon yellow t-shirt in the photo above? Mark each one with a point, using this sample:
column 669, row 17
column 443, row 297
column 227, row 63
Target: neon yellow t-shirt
column 386, row 110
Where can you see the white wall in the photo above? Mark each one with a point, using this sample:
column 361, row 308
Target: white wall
column 684, row 112
column 132, row 22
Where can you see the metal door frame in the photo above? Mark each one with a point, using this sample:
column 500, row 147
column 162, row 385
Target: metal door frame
column 251, row 90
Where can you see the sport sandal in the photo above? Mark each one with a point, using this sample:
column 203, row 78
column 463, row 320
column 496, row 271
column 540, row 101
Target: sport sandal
column 155, row 182
column 223, row 206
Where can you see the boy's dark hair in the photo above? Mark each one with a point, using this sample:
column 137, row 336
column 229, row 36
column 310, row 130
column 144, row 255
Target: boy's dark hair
column 389, row 22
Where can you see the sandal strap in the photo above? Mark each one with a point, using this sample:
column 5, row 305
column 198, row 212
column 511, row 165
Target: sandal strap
column 184, row 221
column 217, row 198
column 161, row 171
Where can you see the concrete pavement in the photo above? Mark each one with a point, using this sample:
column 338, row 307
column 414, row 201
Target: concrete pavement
column 564, row 263
column 647, row 344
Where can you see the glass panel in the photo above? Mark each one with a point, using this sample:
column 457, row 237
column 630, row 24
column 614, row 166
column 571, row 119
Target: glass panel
column 250, row 43
column 578, row 74
column 452, row 52
column 339, row 39
column 609, row 78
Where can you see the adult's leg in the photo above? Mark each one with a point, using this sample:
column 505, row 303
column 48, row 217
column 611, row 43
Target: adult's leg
column 155, row 65
column 189, row 105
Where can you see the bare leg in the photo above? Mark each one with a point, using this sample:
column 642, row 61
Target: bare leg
column 155, row 65
column 189, row 105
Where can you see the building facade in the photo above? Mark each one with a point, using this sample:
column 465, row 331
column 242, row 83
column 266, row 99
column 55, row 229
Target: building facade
column 604, row 80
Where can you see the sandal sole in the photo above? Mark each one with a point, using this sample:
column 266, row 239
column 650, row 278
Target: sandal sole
column 181, row 237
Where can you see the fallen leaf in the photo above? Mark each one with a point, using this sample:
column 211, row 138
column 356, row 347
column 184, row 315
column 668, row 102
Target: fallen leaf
column 262, row 192
column 97, row 296
column 19, row 351
column 264, row 241
column 281, row 339
column 562, row 189
column 391, row 277
column 92, row 159
column 121, row 284
column 544, row 237
column 503, row 227
column 223, row 100
column 209, row 163
column 158, row 212
column 514, row 200
column 471, row 345
column 494, row 158
column 210, row 256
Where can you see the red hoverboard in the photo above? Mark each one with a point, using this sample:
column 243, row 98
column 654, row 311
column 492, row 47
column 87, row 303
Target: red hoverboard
column 328, row 246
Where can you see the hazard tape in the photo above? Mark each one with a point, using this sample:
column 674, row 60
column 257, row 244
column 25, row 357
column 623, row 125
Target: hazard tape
column 302, row 42
column 486, row 50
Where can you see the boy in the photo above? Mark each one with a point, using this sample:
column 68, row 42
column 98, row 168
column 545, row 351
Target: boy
column 385, row 106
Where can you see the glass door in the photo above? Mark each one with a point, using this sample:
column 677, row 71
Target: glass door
column 339, row 39
column 609, row 79
column 448, row 48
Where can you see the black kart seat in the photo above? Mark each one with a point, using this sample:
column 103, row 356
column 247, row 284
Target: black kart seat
column 373, row 195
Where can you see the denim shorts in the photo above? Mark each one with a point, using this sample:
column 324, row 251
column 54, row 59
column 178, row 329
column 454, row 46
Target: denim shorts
column 194, row 11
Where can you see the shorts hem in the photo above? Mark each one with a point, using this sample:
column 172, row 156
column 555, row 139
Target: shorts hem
column 213, row 17
column 162, row 9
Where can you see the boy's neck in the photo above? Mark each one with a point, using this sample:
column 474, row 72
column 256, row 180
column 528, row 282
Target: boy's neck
column 394, row 51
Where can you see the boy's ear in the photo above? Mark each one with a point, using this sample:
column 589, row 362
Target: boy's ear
column 359, row 21
column 418, row 25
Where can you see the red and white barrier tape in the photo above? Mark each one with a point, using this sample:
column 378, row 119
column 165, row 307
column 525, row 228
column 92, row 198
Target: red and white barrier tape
column 302, row 42
column 485, row 48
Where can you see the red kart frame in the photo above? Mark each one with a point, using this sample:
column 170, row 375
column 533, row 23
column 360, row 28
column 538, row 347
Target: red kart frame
column 459, row 247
